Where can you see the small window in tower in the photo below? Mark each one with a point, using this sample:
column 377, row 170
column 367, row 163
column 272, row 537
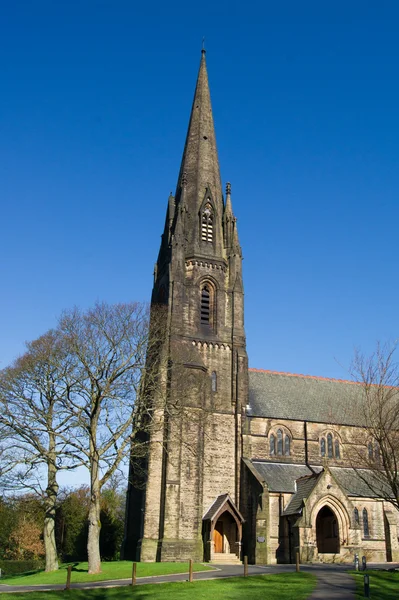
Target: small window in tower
column 279, row 442
column 207, row 223
column 205, row 305
column 214, row 382
column 330, row 445
column 272, row 444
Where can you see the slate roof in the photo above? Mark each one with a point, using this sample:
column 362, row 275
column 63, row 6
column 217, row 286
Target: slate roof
column 217, row 505
column 354, row 482
column 295, row 479
column 281, row 477
column 304, row 398
column 305, row 486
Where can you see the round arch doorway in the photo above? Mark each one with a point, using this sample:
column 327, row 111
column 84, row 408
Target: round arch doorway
column 327, row 532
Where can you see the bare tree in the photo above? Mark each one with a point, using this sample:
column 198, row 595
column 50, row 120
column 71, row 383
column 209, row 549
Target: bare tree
column 107, row 345
column 375, row 456
column 36, row 427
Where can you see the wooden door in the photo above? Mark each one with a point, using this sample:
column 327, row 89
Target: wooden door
column 218, row 536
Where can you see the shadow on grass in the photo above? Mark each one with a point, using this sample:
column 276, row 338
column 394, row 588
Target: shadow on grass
column 384, row 585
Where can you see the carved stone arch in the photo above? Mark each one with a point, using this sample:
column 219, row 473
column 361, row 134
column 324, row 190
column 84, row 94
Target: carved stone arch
column 339, row 510
column 333, row 431
column 281, row 426
column 208, row 279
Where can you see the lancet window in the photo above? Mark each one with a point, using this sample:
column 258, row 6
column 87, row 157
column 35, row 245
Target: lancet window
column 366, row 528
column 207, row 304
column 214, row 382
column 207, row 223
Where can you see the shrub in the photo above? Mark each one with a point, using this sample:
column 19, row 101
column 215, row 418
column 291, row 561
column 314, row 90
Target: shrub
column 15, row 567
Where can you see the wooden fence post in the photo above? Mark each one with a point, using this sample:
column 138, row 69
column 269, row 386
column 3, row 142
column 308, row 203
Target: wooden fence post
column 190, row 570
column 68, row 581
column 134, row 571
column 245, row 566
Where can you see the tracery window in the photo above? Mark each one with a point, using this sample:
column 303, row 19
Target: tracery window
column 279, row 443
column 207, row 223
column 366, row 529
column 356, row 516
column 272, row 443
column 330, row 446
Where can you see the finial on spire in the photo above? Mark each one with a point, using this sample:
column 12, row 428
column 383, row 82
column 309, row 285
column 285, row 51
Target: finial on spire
column 228, row 189
column 203, row 51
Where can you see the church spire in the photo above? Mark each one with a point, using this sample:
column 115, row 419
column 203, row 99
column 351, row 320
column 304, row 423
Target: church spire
column 200, row 162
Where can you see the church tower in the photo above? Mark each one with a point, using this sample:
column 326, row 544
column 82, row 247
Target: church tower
column 186, row 505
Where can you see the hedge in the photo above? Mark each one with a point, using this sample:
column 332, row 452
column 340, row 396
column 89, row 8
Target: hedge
column 15, row 567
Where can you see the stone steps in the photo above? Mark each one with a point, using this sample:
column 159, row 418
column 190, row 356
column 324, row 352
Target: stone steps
column 226, row 558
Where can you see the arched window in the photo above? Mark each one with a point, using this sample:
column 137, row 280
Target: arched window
column 337, row 449
column 279, row 442
column 287, row 445
column 330, row 445
column 272, row 444
column 356, row 516
column 370, row 450
column 214, row 382
column 366, row 530
column 323, row 446
column 207, row 223
column 206, row 305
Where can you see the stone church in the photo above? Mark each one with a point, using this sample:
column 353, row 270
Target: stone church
column 240, row 461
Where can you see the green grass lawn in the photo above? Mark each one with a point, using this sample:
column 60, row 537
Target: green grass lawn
column 287, row 586
column 110, row 570
column 383, row 585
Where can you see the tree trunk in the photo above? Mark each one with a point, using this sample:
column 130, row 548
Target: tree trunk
column 93, row 540
column 50, row 504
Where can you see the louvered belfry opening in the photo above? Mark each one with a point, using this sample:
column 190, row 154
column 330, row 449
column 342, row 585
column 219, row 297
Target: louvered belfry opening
column 206, row 305
column 207, row 224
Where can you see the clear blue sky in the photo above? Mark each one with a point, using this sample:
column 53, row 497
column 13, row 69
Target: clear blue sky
column 94, row 104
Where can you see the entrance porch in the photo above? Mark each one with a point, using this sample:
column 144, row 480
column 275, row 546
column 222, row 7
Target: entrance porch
column 222, row 531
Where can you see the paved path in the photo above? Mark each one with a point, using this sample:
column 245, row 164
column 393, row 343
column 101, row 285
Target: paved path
column 334, row 584
column 333, row 580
